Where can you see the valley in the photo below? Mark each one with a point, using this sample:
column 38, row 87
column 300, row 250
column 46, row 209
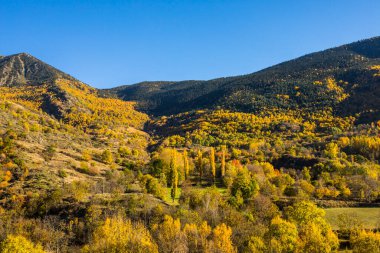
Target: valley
column 236, row 164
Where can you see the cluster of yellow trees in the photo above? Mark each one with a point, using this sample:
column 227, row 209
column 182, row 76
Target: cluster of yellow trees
column 78, row 104
column 376, row 67
column 303, row 229
column 93, row 111
column 29, row 96
column 210, row 128
column 250, row 162
column 366, row 145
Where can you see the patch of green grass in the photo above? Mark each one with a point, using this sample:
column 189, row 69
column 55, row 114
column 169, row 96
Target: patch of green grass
column 168, row 198
column 369, row 216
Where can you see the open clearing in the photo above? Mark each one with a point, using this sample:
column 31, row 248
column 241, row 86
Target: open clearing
column 369, row 216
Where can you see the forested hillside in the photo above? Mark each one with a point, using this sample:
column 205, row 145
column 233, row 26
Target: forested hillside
column 339, row 78
column 238, row 164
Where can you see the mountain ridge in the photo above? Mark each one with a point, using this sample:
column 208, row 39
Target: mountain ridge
column 251, row 73
column 338, row 78
column 268, row 87
column 23, row 68
column 78, row 167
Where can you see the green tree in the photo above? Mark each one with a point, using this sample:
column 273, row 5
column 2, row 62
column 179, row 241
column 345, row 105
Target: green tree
column 256, row 244
column 153, row 186
column 107, row 157
column 282, row 235
column 331, row 150
column 315, row 232
column 245, row 184
column 306, row 174
column 305, row 211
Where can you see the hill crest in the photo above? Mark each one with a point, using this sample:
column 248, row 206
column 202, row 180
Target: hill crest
column 23, row 68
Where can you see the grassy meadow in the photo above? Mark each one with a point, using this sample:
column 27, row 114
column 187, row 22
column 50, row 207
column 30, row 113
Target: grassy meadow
column 368, row 216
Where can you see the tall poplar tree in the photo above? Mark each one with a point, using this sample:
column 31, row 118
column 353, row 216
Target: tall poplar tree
column 200, row 165
column 174, row 176
column 186, row 164
column 212, row 163
column 223, row 162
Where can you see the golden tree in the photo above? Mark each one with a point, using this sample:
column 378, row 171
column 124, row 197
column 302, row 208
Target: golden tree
column 174, row 175
column 19, row 244
column 366, row 241
column 212, row 163
column 200, row 165
column 197, row 236
column 117, row 235
column 186, row 164
column 223, row 161
column 221, row 239
column 283, row 235
column 169, row 236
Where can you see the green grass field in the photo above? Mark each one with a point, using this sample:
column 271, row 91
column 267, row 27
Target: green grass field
column 369, row 216
column 168, row 198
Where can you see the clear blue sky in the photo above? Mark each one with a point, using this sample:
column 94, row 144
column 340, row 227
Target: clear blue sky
column 110, row 43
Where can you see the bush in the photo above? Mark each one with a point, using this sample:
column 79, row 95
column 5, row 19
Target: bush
column 153, row 186
column 19, row 244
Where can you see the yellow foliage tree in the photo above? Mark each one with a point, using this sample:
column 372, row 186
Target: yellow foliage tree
column 223, row 161
column 283, row 235
column 174, row 176
column 212, row 163
column 366, row 242
column 197, row 236
column 117, row 235
column 19, row 244
column 200, row 165
column 186, row 164
column 221, row 239
column 316, row 239
column 169, row 236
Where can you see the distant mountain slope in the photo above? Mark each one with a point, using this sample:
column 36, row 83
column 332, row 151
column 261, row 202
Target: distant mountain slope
column 55, row 130
column 341, row 77
column 30, row 82
column 20, row 69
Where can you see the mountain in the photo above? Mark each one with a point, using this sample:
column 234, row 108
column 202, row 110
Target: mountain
column 345, row 78
column 31, row 82
column 23, row 68
column 55, row 130
column 82, row 171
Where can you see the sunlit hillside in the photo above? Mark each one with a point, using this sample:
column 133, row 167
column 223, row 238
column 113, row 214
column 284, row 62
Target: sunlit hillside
column 282, row 160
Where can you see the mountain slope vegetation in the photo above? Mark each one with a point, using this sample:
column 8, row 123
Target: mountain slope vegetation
column 238, row 164
column 339, row 78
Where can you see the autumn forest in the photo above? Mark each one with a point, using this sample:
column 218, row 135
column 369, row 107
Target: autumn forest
column 286, row 159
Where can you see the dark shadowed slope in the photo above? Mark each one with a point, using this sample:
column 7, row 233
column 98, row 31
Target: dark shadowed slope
column 345, row 78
